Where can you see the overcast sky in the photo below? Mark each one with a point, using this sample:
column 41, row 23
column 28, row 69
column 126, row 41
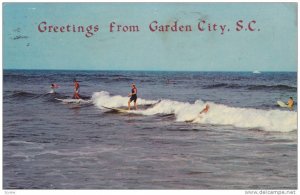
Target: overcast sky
column 271, row 47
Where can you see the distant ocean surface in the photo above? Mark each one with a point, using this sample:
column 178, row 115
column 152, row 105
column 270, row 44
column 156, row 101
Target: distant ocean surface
column 245, row 141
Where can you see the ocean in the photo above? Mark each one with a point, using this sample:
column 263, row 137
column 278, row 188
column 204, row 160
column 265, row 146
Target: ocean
column 244, row 141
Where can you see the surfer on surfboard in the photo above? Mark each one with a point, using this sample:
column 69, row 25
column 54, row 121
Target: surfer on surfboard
column 53, row 87
column 205, row 110
column 290, row 103
column 133, row 96
column 76, row 90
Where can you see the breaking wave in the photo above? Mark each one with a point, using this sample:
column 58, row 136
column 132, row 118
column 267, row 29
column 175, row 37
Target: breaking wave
column 103, row 98
column 218, row 114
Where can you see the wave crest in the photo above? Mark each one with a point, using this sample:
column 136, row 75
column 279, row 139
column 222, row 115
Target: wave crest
column 103, row 98
column 218, row 114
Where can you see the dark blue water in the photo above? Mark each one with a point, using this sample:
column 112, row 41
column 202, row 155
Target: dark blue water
column 240, row 143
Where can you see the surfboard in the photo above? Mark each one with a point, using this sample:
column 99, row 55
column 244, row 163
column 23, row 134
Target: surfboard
column 282, row 104
column 74, row 101
column 116, row 109
column 189, row 121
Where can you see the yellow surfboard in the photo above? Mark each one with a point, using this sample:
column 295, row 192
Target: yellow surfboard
column 282, row 104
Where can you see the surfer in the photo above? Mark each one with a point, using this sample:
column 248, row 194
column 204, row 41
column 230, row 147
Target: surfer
column 76, row 89
column 53, row 87
column 205, row 110
column 133, row 96
column 290, row 103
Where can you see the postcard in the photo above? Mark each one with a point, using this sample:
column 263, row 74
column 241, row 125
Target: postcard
column 150, row 96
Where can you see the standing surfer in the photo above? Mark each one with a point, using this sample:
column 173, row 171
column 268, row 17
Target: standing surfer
column 133, row 96
column 76, row 89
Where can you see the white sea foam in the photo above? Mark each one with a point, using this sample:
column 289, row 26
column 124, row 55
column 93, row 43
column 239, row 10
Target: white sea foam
column 74, row 101
column 103, row 98
column 218, row 114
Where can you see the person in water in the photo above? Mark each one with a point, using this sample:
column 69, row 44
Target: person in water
column 76, row 90
column 133, row 96
column 205, row 110
column 53, row 87
column 290, row 103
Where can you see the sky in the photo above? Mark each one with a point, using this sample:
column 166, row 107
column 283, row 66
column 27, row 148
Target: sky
column 272, row 46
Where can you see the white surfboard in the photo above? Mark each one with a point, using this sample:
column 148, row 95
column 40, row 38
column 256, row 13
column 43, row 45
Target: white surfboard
column 282, row 104
column 74, row 101
column 116, row 109
column 190, row 121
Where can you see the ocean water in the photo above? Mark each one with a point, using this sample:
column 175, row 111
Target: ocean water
column 245, row 141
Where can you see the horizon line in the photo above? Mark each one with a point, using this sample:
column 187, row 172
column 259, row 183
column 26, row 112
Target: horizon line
column 138, row 70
